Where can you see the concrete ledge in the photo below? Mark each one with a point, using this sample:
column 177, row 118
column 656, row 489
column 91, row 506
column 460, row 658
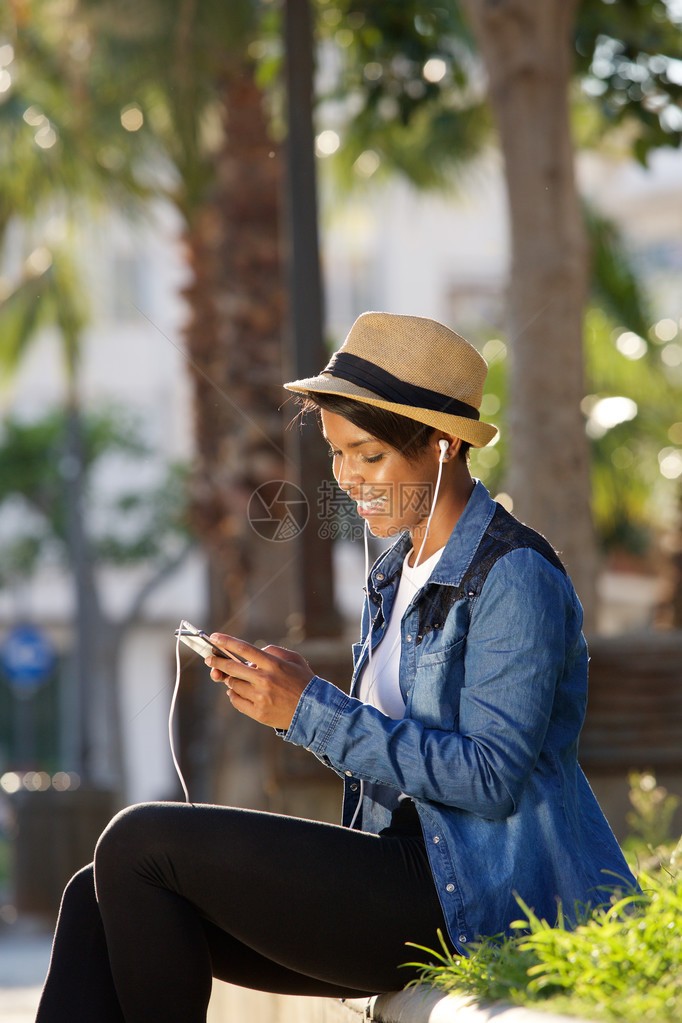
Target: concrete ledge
column 425, row 1005
column 417, row 1005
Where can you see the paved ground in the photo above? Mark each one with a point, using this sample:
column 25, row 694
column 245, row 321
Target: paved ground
column 24, row 956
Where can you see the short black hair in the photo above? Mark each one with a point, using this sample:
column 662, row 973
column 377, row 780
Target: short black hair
column 406, row 435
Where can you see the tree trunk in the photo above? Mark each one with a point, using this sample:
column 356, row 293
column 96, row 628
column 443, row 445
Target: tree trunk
column 234, row 337
column 527, row 49
column 235, row 342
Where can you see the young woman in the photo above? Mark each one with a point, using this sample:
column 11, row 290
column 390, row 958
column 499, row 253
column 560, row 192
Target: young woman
column 457, row 743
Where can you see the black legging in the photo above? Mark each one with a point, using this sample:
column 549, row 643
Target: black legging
column 264, row 901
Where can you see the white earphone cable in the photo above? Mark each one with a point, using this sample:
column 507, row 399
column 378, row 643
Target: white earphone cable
column 171, row 737
column 441, row 460
column 369, row 607
column 369, row 651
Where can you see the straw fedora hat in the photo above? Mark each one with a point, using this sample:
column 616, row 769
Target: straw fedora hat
column 413, row 366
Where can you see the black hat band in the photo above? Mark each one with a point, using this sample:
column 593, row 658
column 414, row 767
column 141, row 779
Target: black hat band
column 365, row 374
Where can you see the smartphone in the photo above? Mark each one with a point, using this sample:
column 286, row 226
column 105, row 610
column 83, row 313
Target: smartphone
column 197, row 640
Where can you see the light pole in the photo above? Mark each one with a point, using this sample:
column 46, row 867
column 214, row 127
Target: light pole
column 307, row 351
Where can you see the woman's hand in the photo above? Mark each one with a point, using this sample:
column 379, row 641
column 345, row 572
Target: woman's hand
column 266, row 689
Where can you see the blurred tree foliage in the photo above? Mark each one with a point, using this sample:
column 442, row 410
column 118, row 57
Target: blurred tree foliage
column 407, row 80
column 409, row 88
column 141, row 519
column 60, row 122
column 628, row 68
column 634, row 424
column 163, row 66
column 626, row 375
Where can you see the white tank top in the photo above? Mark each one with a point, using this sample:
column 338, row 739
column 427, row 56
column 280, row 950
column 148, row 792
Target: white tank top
column 379, row 683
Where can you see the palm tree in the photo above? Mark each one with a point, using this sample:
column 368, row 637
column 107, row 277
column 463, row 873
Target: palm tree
column 185, row 65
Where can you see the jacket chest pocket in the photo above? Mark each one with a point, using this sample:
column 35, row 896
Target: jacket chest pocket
column 438, row 682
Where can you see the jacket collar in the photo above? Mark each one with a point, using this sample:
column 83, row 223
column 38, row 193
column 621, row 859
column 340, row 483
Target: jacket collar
column 459, row 550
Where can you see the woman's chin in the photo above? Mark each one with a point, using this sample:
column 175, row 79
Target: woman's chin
column 377, row 528
column 384, row 530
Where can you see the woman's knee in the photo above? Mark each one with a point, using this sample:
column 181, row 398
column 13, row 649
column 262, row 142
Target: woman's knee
column 80, row 890
column 126, row 837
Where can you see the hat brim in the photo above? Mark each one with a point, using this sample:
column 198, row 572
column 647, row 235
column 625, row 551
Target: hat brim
column 473, row 431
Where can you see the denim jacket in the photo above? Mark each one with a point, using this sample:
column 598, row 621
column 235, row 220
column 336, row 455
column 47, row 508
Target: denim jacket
column 493, row 670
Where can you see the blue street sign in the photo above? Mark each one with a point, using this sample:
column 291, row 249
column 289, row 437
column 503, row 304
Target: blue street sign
column 27, row 657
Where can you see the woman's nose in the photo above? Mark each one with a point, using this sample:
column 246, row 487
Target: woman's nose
column 348, row 480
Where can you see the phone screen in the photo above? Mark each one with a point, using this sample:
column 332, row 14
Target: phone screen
column 197, row 640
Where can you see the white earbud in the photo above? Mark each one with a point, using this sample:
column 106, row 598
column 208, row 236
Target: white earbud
column 443, row 445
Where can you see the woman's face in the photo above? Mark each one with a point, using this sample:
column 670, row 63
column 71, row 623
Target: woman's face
column 391, row 492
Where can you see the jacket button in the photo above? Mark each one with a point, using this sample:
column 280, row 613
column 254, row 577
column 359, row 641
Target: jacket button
column 463, row 939
column 450, row 888
column 349, row 774
column 380, row 576
column 354, row 787
column 436, row 839
column 409, row 637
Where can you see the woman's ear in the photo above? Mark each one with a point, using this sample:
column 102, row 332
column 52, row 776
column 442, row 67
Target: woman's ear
column 449, row 446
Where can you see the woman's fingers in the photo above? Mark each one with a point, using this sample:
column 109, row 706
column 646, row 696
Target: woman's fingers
column 238, row 661
column 267, row 687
